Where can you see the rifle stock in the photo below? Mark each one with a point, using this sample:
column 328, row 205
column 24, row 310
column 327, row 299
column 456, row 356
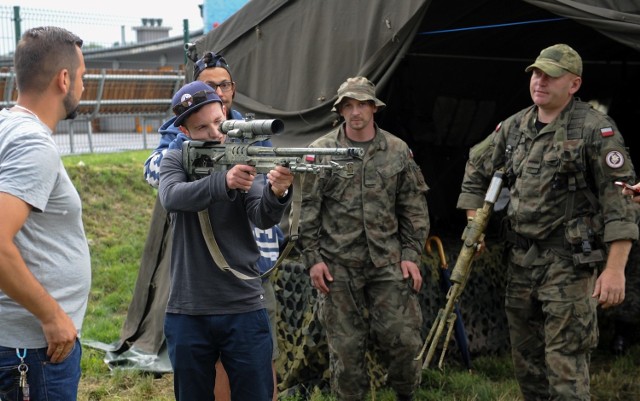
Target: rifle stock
column 472, row 237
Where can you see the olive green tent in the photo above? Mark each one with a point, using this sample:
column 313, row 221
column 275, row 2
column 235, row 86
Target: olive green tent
column 449, row 71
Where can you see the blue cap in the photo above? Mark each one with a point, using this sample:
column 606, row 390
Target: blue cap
column 190, row 98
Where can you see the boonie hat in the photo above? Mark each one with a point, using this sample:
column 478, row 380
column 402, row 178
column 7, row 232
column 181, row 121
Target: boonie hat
column 210, row 60
column 557, row 60
column 190, row 98
column 359, row 88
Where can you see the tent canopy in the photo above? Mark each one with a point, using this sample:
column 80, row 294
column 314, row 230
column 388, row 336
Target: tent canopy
column 448, row 70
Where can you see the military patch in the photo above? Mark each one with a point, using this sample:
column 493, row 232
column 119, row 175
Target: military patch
column 614, row 159
column 310, row 158
column 498, row 126
column 606, row 132
column 410, row 154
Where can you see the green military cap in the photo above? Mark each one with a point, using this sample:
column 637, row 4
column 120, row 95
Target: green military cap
column 359, row 88
column 557, row 60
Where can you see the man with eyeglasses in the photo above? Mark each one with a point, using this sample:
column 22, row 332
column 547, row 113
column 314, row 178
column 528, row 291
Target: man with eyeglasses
column 213, row 70
column 213, row 314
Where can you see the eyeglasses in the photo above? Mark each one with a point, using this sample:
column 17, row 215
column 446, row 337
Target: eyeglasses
column 194, row 100
column 225, row 86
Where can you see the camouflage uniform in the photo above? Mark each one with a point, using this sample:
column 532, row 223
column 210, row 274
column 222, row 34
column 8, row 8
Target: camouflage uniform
column 552, row 317
column 362, row 227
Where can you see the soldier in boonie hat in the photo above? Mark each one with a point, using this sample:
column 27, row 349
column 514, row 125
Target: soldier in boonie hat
column 557, row 60
column 359, row 88
column 190, row 98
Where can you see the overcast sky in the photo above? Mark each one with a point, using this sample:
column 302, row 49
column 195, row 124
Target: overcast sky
column 172, row 12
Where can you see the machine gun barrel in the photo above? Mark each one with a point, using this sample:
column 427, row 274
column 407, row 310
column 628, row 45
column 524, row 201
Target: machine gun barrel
column 472, row 237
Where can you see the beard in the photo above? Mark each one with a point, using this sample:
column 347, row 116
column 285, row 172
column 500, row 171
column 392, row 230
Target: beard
column 70, row 105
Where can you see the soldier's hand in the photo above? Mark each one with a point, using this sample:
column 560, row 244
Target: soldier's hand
column 410, row 269
column 480, row 248
column 241, row 177
column 319, row 274
column 609, row 288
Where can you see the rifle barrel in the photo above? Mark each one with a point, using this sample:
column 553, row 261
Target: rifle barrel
column 266, row 151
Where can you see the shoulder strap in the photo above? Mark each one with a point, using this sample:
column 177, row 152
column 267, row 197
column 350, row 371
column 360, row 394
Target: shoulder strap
column 576, row 121
column 514, row 133
column 214, row 249
column 296, row 204
column 578, row 181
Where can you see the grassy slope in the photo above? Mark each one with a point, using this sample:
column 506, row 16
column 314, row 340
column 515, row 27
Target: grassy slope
column 117, row 208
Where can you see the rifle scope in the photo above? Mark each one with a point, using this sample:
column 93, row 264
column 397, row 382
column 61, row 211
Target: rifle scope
column 241, row 128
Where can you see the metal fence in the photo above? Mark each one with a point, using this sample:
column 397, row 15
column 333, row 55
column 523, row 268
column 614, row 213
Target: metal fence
column 117, row 111
column 17, row 19
column 120, row 109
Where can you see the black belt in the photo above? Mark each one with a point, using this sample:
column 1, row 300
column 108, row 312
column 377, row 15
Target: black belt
column 555, row 240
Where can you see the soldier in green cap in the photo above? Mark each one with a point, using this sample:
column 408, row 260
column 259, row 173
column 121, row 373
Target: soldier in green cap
column 571, row 228
column 362, row 234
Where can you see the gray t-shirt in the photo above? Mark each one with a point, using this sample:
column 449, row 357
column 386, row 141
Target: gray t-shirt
column 52, row 241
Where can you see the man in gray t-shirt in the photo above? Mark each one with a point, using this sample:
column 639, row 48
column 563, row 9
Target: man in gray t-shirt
column 45, row 268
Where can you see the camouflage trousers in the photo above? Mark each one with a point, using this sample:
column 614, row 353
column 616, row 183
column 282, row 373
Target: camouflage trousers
column 552, row 324
column 368, row 307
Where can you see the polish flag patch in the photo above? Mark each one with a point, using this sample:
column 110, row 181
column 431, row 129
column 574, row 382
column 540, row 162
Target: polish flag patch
column 607, row 131
column 310, row 158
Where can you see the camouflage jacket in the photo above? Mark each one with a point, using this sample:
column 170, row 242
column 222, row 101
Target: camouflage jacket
column 545, row 164
column 379, row 215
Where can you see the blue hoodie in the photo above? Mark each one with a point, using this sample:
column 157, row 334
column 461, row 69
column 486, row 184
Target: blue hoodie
column 171, row 137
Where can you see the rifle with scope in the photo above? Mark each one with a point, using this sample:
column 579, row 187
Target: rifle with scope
column 203, row 158
column 472, row 237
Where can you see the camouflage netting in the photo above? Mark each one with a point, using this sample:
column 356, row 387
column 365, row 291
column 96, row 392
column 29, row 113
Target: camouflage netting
column 304, row 361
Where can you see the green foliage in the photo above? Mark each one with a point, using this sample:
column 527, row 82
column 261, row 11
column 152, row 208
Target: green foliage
column 117, row 206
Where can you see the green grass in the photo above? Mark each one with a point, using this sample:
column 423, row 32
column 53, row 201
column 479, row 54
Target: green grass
column 117, row 209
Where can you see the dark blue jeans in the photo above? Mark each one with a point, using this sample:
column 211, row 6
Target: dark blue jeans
column 241, row 341
column 47, row 381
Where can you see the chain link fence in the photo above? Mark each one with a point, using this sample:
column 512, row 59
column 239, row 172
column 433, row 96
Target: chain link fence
column 17, row 19
column 120, row 109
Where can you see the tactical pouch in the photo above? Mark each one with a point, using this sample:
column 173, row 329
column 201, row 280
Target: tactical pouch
column 582, row 235
column 571, row 160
